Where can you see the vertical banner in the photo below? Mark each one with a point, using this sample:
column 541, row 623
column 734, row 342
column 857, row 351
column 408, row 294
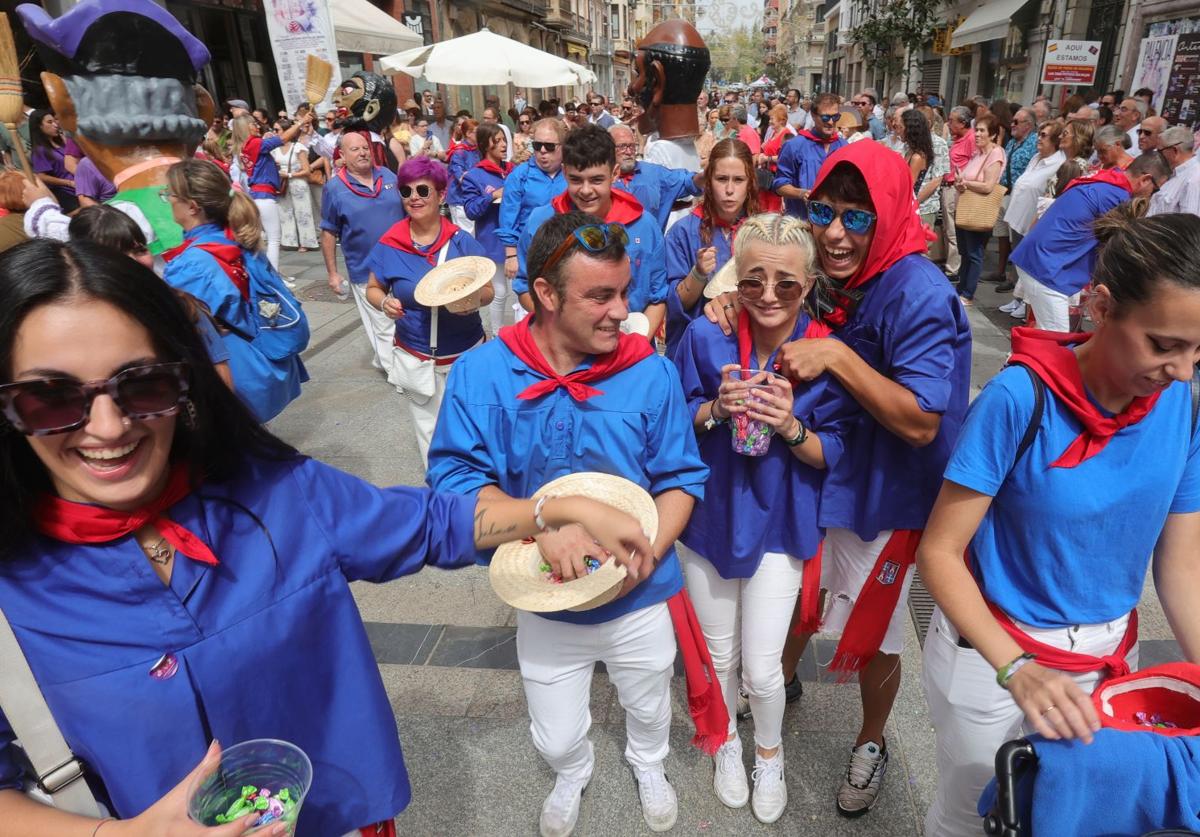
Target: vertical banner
column 1182, row 101
column 1155, row 58
column 296, row 28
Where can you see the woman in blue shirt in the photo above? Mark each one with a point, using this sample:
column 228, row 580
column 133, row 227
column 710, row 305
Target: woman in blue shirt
column 1038, row 615
column 427, row 340
column 175, row 575
column 461, row 157
column 482, row 189
column 752, row 536
column 253, row 151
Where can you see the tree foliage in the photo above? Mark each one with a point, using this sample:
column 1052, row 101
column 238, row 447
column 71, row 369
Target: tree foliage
column 890, row 27
column 737, row 53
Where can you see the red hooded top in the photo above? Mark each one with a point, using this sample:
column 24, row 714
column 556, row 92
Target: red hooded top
column 625, row 207
column 898, row 229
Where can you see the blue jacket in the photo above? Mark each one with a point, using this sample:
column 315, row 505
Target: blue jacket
column 799, row 162
column 658, row 187
column 461, row 161
column 527, row 188
column 478, row 186
column 683, row 243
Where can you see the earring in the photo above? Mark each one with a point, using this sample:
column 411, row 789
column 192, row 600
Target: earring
column 189, row 414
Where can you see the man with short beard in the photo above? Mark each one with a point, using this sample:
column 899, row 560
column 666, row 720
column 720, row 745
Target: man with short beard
column 803, row 155
column 656, row 187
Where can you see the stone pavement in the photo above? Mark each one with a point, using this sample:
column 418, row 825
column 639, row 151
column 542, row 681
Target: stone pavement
column 445, row 647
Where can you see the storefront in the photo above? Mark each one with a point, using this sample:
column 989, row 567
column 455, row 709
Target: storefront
column 235, row 32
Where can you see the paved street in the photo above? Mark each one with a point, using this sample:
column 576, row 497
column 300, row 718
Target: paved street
column 445, row 647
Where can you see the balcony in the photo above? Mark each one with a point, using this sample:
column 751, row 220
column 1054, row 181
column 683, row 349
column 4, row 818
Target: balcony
column 603, row 48
column 537, row 8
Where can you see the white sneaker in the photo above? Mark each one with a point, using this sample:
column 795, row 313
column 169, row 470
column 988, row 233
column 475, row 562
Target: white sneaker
column 1018, row 313
column 770, row 791
column 560, row 811
column 743, row 704
column 729, row 775
column 289, row 282
column 1010, row 306
column 660, row 808
column 864, row 775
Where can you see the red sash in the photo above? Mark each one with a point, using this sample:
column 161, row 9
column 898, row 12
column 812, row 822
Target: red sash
column 706, row 704
column 631, row 349
column 1113, row 665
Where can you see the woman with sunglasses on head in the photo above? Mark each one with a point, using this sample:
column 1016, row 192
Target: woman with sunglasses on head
column 531, row 184
column 409, row 250
column 221, row 272
column 750, row 540
column 702, row 241
column 175, row 575
column 1036, row 616
column 482, row 190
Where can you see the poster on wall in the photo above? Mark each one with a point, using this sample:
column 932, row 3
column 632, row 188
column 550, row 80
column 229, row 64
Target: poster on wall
column 1155, row 58
column 297, row 28
column 1071, row 62
column 1181, row 104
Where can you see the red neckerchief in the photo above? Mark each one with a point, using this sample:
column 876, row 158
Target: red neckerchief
column 625, row 207
column 1047, row 353
column 400, row 237
column 490, row 165
column 83, row 523
column 229, row 256
column 456, row 147
column 1114, row 177
column 898, row 229
column 832, row 138
column 353, row 186
column 631, row 349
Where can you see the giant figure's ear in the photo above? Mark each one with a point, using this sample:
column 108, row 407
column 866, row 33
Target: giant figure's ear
column 60, row 101
column 205, row 108
column 660, row 82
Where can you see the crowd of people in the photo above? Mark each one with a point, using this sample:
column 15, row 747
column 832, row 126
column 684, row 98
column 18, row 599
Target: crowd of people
column 773, row 341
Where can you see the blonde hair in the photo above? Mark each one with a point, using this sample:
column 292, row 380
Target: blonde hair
column 205, row 183
column 560, row 127
column 781, row 231
column 239, row 130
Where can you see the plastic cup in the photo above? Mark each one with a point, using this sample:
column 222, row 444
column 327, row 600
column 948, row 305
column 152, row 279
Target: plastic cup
column 751, row 437
column 262, row 763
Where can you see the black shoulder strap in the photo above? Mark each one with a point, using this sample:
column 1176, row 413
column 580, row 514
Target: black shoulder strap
column 1039, row 407
column 1195, row 397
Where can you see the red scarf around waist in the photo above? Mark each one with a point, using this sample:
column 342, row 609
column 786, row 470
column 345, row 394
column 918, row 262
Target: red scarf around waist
column 1049, row 356
column 1112, row 665
column 631, row 349
column 706, row 704
column 82, row 523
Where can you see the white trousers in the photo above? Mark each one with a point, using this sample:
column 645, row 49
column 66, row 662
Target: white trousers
column 379, row 328
column 500, row 286
column 1051, row 308
column 745, row 620
column 459, row 216
column 421, row 409
column 557, row 660
column 268, row 211
column 846, row 564
column 972, row 716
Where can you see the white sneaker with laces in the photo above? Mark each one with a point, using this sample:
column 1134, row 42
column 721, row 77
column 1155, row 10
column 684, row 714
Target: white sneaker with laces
column 743, row 704
column 561, row 808
column 1018, row 313
column 864, row 774
column 729, row 775
column 1010, row 306
column 660, row 808
column 770, row 791
column 289, row 281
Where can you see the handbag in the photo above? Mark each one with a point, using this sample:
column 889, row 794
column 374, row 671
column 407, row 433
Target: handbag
column 417, row 375
column 316, row 172
column 976, row 212
column 58, row 775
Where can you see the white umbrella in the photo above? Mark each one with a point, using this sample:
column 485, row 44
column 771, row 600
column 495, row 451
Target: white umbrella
column 762, row 81
column 484, row 57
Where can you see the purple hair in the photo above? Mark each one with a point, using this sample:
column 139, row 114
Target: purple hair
column 423, row 168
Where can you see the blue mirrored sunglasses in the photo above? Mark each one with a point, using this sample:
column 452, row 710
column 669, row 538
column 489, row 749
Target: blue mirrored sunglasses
column 857, row 221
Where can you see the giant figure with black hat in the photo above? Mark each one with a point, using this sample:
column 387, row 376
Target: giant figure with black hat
column 672, row 62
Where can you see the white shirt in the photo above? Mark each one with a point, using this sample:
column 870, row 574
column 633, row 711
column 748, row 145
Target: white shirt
column 1134, row 149
column 417, row 142
column 800, row 119
column 674, row 153
column 1181, row 193
column 441, row 132
column 1023, row 203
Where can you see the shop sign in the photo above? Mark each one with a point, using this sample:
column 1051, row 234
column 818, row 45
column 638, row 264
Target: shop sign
column 1071, row 62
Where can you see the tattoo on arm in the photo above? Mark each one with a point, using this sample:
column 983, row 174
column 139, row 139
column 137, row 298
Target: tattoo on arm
column 486, row 528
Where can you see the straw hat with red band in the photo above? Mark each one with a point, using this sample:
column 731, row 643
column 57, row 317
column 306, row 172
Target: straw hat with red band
column 516, row 570
column 455, row 284
column 1163, row 699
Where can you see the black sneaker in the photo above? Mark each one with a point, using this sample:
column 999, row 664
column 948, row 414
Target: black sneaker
column 793, row 689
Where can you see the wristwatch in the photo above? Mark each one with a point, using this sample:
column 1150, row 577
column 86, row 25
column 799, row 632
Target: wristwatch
column 799, row 438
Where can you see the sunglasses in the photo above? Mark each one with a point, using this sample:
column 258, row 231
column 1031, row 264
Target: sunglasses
column 1145, row 132
column 45, row 406
column 858, row 221
column 829, row 118
column 548, row 147
column 591, row 237
column 786, row 290
column 523, row 121
column 423, row 190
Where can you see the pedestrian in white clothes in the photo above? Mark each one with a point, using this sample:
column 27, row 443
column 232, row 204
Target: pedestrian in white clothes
column 297, row 227
column 1182, row 192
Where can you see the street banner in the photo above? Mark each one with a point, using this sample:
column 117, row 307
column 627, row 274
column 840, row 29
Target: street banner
column 1155, row 59
column 1181, row 104
column 296, row 28
column 1071, row 62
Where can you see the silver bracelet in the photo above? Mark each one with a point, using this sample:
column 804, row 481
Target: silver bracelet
column 386, row 297
column 537, row 512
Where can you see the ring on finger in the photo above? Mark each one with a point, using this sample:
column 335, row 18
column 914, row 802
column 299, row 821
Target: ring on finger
column 1048, row 708
column 727, row 306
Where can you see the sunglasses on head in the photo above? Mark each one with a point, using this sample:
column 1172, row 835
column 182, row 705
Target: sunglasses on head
column 548, row 147
column 786, row 290
column 45, row 406
column 591, row 237
column 423, row 190
column 856, row 221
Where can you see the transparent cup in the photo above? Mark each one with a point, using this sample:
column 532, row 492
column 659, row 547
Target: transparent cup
column 265, row 764
column 748, row 436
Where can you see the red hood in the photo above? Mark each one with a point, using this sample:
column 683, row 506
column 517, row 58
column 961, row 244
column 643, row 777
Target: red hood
column 625, row 207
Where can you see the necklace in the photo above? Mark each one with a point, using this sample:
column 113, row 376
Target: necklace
column 159, row 553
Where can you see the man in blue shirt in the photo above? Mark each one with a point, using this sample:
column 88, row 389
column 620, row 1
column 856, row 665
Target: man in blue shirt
column 802, row 156
column 358, row 206
column 656, row 187
column 564, row 392
column 1018, row 151
column 865, row 102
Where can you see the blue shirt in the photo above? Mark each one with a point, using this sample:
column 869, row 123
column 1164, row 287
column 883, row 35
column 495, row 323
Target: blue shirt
column 478, row 186
column 683, row 243
column 878, row 129
column 1017, row 156
column 269, row 643
column 799, row 161
column 638, row 428
column 658, row 187
column 1070, row 546
column 213, row 343
column 359, row 220
column 911, row 328
column 262, row 175
column 647, row 259
column 1060, row 250
column 755, row 504
column 399, row 273
column 525, row 189
column 463, row 160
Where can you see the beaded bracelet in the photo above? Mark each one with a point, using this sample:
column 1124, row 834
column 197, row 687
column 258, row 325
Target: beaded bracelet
column 537, row 512
column 1005, row 674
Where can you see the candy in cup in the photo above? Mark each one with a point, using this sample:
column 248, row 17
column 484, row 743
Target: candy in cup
column 750, row 437
column 264, row 776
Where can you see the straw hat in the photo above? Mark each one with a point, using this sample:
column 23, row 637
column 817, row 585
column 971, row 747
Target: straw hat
column 515, row 570
column 456, row 284
column 636, row 323
column 724, row 281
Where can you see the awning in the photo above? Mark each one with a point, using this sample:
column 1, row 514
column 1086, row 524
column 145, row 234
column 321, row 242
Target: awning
column 987, row 23
column 360, row 27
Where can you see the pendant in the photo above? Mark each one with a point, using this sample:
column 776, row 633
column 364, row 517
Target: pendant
column 159, row 553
